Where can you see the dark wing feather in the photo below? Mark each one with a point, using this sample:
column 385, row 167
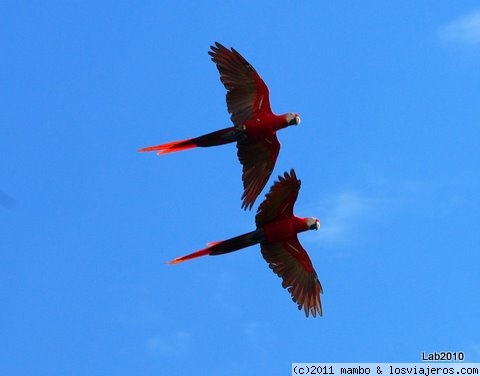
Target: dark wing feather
column 258, row 159
column 291, row 263
column 280, row 200
column 247, row 94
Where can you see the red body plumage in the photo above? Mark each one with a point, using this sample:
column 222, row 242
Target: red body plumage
column 254, row 124
column 276, row 232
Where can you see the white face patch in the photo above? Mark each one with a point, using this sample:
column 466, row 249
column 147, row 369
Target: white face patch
column 293, row 119
column 313, row 223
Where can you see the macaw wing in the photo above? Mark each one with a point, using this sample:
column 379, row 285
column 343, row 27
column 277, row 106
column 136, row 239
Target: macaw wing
column 247, row 94
column 258, row 159
column 291, row 263
column 280, row 200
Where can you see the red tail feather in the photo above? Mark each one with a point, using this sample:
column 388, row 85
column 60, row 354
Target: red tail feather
column 225, row 246
column 171, row 147
column 220, row 137
column 202, row 252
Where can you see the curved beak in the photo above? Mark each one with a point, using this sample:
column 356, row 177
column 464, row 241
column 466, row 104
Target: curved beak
column 315, row 226
column 294, row 121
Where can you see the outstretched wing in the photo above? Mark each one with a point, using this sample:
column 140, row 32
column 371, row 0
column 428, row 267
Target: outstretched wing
column 247, row 94
column 291, row 263
column 258, row 159
column 280, row 200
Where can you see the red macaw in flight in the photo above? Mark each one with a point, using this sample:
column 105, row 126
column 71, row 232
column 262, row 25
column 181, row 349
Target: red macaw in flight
column 277, row 229
column 255, row 125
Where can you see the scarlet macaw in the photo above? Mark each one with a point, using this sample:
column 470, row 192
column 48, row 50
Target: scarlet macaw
column 277, row 229
column 254, row 128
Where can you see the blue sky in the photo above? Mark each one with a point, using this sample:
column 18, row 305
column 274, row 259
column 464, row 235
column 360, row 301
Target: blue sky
column 387, row 151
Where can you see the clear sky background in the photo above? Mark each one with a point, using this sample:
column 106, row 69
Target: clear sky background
column 388, row 154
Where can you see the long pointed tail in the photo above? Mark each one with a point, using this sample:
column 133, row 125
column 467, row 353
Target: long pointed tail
column 171, row 147
column 225, row 246
column 223, row 136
